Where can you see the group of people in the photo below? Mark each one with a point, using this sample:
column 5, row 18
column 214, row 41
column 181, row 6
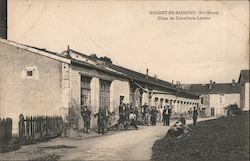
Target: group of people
column 180, row 126
column 149, row 115
column 102, row 119
column 129, row 116
column 145, row 115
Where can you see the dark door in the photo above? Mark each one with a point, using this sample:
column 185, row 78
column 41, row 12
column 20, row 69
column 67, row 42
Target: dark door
column 121, row 99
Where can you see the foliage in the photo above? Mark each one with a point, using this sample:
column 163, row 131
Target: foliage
column 223, row 139
column 234, row 110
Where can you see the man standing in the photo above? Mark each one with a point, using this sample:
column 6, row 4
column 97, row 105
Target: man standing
column 83, row 108
column 100, row 121
column 164, row 115
column 143, row 112
column 122, row 114
column 195, row 115
column 153, row 116
column 160, row 111
column 87, row 119
column 106, row 114
column 147, row 115
column 168, row 115
column 120, row 110
column 190, row 113
column 127, row 111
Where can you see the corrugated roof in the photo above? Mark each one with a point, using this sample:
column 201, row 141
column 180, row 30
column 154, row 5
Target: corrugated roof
column 142, row 77
column 156, row 83
column 139, row 77
column 40, row 51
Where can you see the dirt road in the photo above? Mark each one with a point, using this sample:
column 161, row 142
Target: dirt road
column 124, row 145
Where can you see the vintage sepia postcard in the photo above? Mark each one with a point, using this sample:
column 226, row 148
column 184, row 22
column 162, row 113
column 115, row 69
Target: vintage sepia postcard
column 124, row 80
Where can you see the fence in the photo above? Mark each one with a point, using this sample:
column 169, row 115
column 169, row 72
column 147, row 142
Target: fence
column 39, row 127
column 5, row 130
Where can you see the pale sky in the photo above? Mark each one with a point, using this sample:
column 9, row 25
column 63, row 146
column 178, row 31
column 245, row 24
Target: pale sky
column 189, row 51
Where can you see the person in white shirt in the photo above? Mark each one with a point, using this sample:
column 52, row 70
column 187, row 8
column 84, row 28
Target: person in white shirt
column 132, row 118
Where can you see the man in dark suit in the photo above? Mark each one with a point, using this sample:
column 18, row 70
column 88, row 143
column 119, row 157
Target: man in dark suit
column 83, row 109
column 168, row 115
column 144, row 111
column 121, row 110
column 195, row 116
column 87, row 119
column 164, row 115
column 100, row 121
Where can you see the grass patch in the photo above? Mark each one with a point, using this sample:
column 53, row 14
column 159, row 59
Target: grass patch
column 10, row 145
column 223, row 139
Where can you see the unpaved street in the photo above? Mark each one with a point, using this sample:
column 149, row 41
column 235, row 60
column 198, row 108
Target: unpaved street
column 129, row 145
column 122, row 145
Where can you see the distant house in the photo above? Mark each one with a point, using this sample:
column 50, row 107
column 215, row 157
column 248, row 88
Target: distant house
column 35, row 81
column 214, row 97
column 244, row 89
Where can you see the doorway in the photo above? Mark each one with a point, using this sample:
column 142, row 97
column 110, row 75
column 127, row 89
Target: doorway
column 121, row 99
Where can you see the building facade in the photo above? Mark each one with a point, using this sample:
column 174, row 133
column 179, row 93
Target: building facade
column 215, row 97
column 146, row 89
column 34, row 81
column 30, row 81
column 95, row 86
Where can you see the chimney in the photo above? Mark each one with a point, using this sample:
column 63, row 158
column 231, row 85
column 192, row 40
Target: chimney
column 233, row 82
column 3, row 19
column 172, row 82
column 147, row 74
column 68, row 50
column 210, row 84
column 178, row 84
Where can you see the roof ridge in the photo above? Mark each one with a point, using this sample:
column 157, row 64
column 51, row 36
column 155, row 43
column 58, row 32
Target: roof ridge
column 36, row 50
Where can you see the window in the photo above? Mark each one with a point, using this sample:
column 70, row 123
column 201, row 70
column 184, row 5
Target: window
column 202, row 99
column 85, row 91
column 104, row 93
column 221, row 97
column 29, row 73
